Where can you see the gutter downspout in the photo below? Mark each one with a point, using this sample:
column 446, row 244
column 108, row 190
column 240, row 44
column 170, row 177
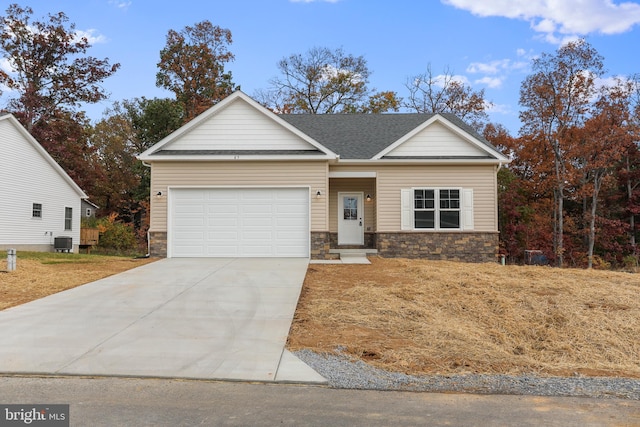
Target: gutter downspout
column 148, row 254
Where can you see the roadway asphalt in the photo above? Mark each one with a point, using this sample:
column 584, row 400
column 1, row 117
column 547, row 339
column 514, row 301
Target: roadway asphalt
column 163, row 402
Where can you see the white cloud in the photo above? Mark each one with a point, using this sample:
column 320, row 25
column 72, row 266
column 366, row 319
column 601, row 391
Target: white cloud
column 492, row 82
column 495, row 72
column 330, row 72
column 611, row 81
column 5, row 65
column 493, row 67
column 498, row 108
column 568, row 18
column 124, row 5
column 498, row 66
column 441, row 79
column 91, row 36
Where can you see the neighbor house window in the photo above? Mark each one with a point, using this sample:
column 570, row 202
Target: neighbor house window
column 36, row 211
column 68, row 218
column 436, row 208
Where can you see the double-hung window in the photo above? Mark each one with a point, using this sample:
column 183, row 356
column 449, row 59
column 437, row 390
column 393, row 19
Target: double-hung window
column 68, row 218
column 36, row 210
column 436, row 208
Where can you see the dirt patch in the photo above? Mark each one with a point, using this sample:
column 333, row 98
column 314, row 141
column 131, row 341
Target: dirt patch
column 49, row 274
column 438, row 317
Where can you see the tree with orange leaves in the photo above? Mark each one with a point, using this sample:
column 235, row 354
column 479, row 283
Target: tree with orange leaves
column 192, row 66
column 556, row 99
column 602, row 142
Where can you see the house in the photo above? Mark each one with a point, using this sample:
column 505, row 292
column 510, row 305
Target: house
column 88, row 209
column 241, row 181
column 40, row 202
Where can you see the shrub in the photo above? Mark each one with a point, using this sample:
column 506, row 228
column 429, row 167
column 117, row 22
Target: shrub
column 630, row 261
column 115, row 234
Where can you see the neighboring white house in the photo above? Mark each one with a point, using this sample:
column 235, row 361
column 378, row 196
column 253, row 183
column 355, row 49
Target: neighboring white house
column 38, row 200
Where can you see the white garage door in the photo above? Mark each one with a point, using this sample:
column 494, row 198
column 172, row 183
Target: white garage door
column 239, row 222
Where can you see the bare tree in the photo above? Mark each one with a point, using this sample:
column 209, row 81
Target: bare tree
column 324, row 81
column 444, row 93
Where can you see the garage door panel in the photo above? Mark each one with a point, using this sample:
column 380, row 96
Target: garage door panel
column 229, row 222
column 216, row 222
column 257, row 223
column 222, row 251
column 222, row 236
column 221, row 208
column 258, row 235
column 191, row 209
column 194, row 235
column 190, row 222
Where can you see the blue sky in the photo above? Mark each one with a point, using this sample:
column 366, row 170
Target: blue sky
column 488, row 44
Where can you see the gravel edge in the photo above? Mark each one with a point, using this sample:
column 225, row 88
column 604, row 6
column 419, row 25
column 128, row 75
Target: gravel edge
column 344, row 372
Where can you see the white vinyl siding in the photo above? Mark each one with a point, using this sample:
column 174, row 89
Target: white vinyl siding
column 239, row 127
column 436, row 141
column 28, row 178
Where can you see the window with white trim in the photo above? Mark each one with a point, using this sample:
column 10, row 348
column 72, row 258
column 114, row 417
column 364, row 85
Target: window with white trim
column 36, row 210
column 442, row 209
column 68, row 218
column 436, row 208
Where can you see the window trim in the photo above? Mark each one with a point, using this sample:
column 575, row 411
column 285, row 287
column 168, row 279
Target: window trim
column 437, row 208
column 68, row 221
column 36, row 213
column 466, row 209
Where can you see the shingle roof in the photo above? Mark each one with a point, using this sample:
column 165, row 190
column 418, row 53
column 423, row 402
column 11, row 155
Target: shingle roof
column 238, row 152
column 362, row 136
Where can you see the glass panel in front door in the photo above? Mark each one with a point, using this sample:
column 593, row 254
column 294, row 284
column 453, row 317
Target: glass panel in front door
column 350, row 206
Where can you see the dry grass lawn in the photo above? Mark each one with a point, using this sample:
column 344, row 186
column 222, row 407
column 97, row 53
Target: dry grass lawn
column 41, row 274
column 438, row 317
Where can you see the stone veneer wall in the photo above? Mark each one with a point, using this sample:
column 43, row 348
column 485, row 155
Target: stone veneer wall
column 158, row 244
column 369, row 242
column 320, row 245
column 460, row 246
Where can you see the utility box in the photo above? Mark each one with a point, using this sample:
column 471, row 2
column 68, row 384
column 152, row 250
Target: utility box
column 63, row 244
column 535, row 257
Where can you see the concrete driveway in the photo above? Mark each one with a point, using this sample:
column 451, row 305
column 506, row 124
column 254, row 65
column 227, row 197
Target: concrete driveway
column 213, row 318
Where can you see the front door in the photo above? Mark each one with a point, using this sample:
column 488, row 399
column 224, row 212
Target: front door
column 350, row 219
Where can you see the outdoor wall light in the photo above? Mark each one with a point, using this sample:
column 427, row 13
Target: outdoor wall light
column 368, row 197
column 159, row 194
column 318, row 194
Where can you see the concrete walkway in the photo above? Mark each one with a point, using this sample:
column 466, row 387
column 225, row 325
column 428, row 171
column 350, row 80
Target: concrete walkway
column 211, row 318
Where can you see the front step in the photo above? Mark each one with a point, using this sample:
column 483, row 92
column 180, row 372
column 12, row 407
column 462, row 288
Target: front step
column 355, row 256
column 347, row 256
